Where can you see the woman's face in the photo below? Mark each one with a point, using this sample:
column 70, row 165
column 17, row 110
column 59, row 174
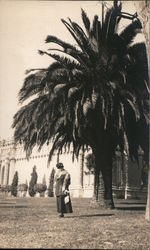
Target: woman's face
column 61, row 168
column 58, row 169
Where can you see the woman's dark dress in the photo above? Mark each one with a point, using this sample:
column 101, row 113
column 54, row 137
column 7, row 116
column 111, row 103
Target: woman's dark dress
column 62, row 182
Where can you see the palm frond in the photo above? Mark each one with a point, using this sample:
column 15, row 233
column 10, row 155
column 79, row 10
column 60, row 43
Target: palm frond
column 94, row 26
column 64, row 61
column 53, row 39
column 33, row 84
column 71, row 30
column 72, row 91
column 105, row 26
column 87, row 106
column 85, row 20
column 59, row 87
column 68, row 49
column 139, row 55
column 58, row 143
column 130, row 32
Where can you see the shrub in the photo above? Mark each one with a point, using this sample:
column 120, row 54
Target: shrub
column 14, row 184
column 51, row 184
column 23, row 187
column 40, row 188
column 6, row 188
column 33, row 181
column 90, row 162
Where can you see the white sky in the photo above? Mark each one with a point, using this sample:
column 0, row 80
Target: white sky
column 24, row 25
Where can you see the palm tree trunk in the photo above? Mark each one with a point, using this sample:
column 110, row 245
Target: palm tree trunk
column 104, row 182
column 96, row 184
column 101, row 191
column 107, row 177
column 98, row 197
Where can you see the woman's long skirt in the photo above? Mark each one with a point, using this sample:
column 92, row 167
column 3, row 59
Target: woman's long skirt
column 62, row 207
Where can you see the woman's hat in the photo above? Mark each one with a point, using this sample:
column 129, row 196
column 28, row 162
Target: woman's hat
column 59, row 165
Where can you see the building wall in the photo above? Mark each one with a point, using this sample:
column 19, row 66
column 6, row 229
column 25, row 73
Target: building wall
column 126, row 174
column 13, row 158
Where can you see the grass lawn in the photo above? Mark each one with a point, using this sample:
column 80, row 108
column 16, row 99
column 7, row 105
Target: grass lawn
column 34, row 223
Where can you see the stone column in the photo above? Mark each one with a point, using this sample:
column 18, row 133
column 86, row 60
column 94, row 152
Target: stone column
column 118, row 168
column 118, row 179
column 6, row 177
column 125, row 169
column 81, row 173
column 121, row 173
column 2, row 175
column 12, row 170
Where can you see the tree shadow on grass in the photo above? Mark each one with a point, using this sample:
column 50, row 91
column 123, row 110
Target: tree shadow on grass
column 13, row 206
column 88, row 215
column 9, row 203
column 136, row 208
column 133, row 203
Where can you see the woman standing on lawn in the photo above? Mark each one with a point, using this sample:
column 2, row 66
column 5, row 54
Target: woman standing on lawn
column 62, row 182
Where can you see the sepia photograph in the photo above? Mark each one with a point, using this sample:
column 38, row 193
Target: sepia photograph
column 74, row 124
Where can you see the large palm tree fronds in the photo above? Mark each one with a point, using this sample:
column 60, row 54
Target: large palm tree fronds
column 92, row 91
column 111, row 22
column 131, row 31
column 33, row 84
column 86, row 21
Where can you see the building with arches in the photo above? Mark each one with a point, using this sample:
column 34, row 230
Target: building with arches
column 126, row 174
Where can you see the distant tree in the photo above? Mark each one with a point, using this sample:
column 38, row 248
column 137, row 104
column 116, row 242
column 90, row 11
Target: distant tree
column 40, row 188
column 90, row 164
column 26, row 183
column 98, row 180
column 5, row 188
column 44, row 180
column 51, row 184
column 14, row 184
column 90, row 161
column 33, row 181
column 23, row 187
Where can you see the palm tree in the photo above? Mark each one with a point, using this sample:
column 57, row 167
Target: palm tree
column 93, row 95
